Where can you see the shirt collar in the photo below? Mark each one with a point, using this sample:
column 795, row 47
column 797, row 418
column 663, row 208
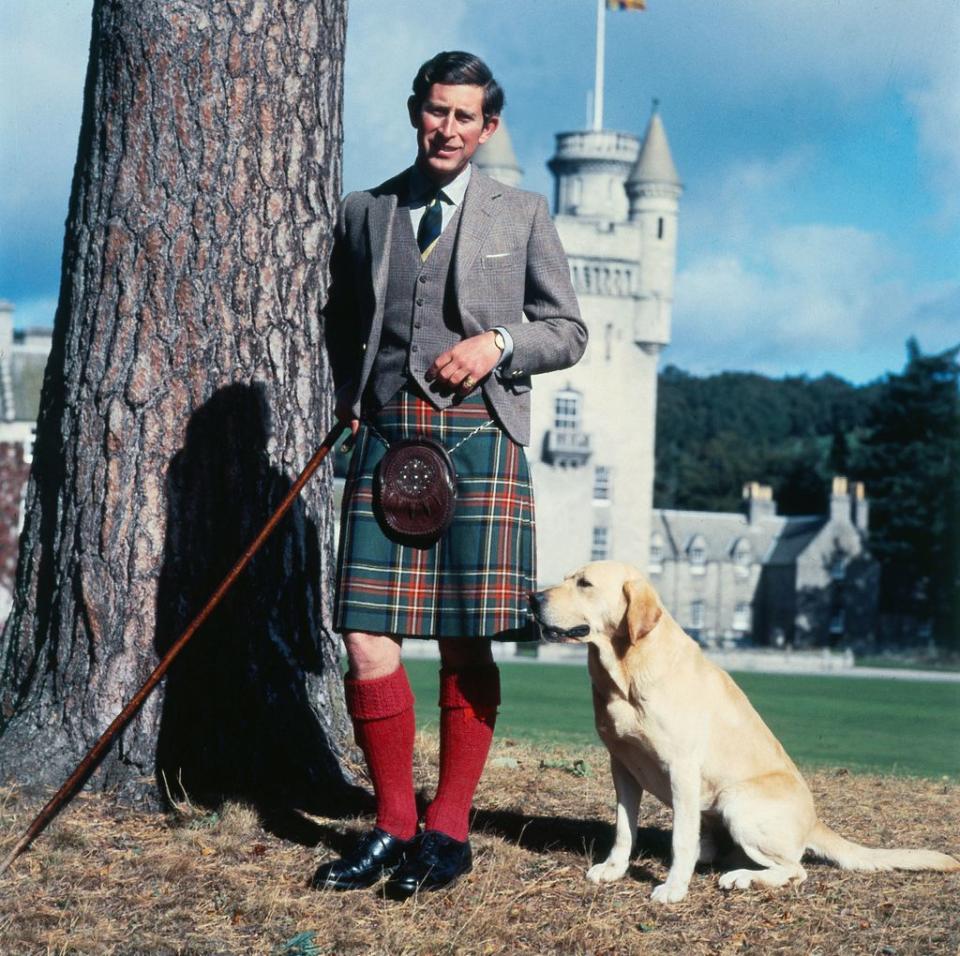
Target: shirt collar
column 422, row 188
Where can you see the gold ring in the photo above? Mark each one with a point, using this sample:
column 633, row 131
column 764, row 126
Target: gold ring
column 468, row 382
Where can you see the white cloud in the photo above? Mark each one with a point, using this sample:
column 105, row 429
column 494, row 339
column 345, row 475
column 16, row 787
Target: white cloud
column 938, row 117
column 742, row 200
column 821, row 297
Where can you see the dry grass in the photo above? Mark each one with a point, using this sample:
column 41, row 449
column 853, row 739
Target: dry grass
column 110, row 880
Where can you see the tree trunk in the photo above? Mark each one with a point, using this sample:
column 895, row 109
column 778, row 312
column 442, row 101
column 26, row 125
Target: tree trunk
column 187, row 386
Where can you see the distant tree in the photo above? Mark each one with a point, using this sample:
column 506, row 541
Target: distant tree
column 839, row 459
column 186, row 386
column 910, row 463
column 715, row 433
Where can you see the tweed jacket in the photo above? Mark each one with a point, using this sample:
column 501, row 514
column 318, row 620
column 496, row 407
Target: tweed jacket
column 509, row 269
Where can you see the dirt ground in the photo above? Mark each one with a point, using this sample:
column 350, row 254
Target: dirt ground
column 111, row 880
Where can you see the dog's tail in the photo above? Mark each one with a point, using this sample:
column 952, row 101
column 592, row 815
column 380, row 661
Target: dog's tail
column 848, row 855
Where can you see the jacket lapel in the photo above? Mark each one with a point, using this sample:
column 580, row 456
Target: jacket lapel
column 379, row 230
column 476, row 217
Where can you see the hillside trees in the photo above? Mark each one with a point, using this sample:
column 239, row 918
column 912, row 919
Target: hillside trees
column 716, row 433
column 186, row 387
column 910, row 463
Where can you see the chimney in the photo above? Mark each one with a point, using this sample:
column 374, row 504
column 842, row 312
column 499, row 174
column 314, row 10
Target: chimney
column 861, row 508
column 840, row 500
column 758, row 501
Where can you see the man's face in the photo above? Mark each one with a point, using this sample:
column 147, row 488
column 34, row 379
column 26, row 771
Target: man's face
column 450, row 127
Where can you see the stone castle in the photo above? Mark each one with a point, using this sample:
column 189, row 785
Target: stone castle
column 727, row 578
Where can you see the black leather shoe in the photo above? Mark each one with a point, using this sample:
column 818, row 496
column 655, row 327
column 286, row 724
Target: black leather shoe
column 377, row 853
column 434, row 861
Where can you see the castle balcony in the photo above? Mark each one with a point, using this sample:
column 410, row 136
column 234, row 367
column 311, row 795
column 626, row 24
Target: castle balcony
column 566, row 447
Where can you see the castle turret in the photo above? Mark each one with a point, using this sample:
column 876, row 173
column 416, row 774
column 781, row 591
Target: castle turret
column 497, row 159
column 591, row 168
column 653, row 188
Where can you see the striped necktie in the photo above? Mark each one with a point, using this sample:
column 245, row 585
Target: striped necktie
column 431, row 225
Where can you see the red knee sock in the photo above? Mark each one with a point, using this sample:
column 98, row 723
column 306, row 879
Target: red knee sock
column 468, row 712
column 384, row 726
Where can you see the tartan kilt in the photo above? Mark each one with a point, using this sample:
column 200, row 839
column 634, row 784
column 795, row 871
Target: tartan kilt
column 475, row 580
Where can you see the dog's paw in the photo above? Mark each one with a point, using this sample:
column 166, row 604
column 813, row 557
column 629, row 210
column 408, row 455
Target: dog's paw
column 668, row 893
column 737, row 879
column 606, row 872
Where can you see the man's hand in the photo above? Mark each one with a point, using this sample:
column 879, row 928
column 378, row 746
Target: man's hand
column 463, row 367
column 343, row 411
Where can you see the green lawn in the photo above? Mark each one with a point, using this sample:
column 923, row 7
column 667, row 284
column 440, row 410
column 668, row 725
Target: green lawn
column 883, row 726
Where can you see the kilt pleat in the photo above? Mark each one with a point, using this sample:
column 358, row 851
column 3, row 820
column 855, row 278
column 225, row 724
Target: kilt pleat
column 475, row 581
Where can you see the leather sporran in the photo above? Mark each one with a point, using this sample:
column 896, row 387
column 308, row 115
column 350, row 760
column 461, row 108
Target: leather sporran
column 415, row 491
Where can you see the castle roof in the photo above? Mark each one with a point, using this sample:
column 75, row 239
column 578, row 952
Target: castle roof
column 655, row 164
column 773, row 539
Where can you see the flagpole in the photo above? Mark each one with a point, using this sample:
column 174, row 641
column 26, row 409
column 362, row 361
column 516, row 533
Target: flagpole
column 598, row 79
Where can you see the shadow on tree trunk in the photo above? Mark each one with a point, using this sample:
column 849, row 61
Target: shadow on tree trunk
column 240, row 714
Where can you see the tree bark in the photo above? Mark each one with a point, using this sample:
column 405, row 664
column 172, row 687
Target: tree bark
column 187, row 386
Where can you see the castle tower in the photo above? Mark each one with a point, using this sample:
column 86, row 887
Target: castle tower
column 653, row 189
column 592, row 453
column 590, row 169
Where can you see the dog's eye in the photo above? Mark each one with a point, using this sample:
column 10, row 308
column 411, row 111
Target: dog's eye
column 584, row 583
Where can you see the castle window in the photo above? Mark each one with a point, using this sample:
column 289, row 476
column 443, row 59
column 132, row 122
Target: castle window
column 837, row 622
column 742, row 555
column 696, row 614
column 602, row 490
column 600, row 548
column 741, row 616
column 660, row 228
column 566, row 410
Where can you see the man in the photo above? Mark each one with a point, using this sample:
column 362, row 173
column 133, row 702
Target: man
column 431, row 274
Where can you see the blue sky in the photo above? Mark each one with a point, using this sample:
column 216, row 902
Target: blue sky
column 819, row 144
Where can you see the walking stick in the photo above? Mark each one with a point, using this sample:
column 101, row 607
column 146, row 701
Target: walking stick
column 63, row 795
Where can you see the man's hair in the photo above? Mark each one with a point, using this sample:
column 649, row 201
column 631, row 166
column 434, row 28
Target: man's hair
column 454, row 67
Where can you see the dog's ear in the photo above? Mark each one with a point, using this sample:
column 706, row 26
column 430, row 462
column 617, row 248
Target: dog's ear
column 643, row 609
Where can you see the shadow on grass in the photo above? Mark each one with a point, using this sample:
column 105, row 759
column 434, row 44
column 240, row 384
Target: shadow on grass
column 566, row 834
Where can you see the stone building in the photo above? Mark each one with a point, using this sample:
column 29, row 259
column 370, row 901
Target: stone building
column 766, row 578
column 591, row 456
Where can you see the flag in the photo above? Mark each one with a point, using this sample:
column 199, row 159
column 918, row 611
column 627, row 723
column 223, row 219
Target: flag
column 626, row 4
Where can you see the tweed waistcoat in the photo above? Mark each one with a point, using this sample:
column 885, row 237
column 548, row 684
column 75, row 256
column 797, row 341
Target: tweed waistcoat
column 420, row 318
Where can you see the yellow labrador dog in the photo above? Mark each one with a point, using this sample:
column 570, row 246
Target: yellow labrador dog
column 677, row 725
